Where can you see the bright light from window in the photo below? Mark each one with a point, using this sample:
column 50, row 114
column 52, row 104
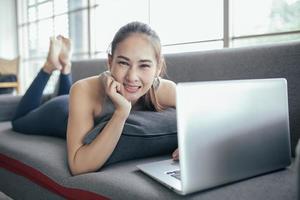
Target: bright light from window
column 45, row 10
column 201, row 46
column 178, row 21
column 45, row 31
column 183, row 26
column 79, row 31
column 60, row 6
column 110, row 15
column 259, row 17
column 32, row 14
column 61, row 25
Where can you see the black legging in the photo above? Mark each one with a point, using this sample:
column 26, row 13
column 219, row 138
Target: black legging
column 49, row 118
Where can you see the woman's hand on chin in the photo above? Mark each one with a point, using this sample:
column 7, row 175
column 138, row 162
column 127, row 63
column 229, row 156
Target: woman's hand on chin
column 113, row 89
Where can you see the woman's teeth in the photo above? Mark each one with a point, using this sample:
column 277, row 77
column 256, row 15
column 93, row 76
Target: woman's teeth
column 131, row 88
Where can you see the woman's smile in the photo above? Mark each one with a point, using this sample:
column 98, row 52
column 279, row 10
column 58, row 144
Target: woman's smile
column 130, row 88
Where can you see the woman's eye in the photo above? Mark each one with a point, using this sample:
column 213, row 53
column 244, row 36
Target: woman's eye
column 145, row 66
column 123, row 63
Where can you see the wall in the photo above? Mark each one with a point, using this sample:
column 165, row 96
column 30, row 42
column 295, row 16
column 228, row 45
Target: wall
column 8, row 29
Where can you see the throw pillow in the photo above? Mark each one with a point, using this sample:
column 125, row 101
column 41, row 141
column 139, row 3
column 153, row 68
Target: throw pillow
column 145, row 134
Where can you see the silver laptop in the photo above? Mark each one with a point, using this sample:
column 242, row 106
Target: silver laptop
column 227, row 131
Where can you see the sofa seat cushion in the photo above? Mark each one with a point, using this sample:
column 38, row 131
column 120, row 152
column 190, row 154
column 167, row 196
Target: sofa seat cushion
column 47, row 157
column 40, row 159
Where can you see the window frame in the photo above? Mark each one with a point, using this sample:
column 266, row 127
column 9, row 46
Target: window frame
column 91, row 51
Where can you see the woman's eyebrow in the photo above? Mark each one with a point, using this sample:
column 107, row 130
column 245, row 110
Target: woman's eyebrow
column 123, row 57
column 146, row 60
column 141, row 61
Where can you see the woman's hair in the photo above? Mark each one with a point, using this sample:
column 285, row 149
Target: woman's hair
column 141, row 28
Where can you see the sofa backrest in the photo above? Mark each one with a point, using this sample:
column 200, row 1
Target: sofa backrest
column 263, row 61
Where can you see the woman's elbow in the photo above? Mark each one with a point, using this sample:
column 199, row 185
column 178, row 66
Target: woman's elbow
column 74, row 171
column 77, row 169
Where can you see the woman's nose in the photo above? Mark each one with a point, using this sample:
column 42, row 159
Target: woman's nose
column 132, row 75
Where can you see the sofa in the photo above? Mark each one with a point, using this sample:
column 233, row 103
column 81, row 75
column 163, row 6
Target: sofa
column 35, row 167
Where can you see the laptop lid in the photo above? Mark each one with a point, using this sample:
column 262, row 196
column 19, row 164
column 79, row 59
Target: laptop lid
column 231, row 130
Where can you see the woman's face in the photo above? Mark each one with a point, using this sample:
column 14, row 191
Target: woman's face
column 134, row 65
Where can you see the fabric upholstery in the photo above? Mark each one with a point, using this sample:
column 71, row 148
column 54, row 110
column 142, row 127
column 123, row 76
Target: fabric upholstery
column 8, row 105
column 122, row 180
column 145, row 134
column 46, row 155
column 26, row 190
column 85, row 68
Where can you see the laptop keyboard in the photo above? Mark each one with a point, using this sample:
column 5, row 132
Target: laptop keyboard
column 175, row 174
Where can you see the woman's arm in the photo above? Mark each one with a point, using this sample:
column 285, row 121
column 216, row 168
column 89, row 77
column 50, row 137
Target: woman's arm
column 89, row 158
column 167, row 97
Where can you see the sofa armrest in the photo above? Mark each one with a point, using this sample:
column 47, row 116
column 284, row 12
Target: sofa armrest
column 9, row 103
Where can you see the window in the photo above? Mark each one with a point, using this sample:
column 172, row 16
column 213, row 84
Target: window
column 183, row 26
column 110, row 15
column 256, row 22
column 41, row 19
column 187, row 21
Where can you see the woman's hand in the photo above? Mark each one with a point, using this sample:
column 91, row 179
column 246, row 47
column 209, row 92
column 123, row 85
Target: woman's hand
column 175, row 154
column 112, row 89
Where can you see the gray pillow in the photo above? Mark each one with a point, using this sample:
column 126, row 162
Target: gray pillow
column 145, row 134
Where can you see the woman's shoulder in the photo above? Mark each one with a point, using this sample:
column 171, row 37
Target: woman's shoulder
column 90, row 93
column 86, row 81
column 165, row 83
column 167, row 93
column 166, row 86
column 87, row 88
column 87, row 84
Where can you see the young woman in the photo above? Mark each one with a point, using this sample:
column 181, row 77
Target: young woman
column 132, row 82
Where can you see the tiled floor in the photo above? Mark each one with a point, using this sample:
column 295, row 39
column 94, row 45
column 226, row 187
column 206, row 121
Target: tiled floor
column 4, row 197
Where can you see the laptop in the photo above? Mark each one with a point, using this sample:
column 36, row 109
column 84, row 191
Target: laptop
column 227, row 131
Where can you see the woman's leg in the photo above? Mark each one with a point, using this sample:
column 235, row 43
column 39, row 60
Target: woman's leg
column 32, row 97
column 65, row 79
column 49, row 118
column 65, row 82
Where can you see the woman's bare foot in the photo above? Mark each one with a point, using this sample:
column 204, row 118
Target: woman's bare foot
column 65, row 54
column 53, row 62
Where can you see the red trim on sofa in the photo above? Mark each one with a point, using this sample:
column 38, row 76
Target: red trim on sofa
column 41, row 179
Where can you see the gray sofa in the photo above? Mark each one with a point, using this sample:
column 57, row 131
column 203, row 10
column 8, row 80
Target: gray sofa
column 35, row 167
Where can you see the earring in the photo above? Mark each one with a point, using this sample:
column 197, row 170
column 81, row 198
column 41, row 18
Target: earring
column 156, row 83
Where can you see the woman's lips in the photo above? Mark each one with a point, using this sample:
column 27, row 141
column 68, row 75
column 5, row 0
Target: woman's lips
column 131, row 88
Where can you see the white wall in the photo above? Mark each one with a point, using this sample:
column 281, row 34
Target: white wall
column 8, row 29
